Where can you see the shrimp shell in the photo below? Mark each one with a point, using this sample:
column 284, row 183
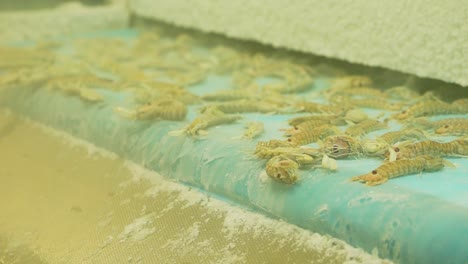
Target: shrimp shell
column 399, row 168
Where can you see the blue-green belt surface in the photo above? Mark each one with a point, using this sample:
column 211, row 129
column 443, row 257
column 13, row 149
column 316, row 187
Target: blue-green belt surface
column 415, row 219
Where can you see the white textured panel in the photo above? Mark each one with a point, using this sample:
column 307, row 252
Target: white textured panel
column 428, row 38
column 67, row 19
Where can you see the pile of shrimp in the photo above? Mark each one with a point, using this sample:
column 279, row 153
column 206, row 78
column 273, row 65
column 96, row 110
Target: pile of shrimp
column 159, row 72
column 341, row 130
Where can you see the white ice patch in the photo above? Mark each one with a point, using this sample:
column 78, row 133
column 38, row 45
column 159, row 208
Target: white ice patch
column 139, row 229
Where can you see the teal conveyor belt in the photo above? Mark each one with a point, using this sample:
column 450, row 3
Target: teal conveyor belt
column 414, row 219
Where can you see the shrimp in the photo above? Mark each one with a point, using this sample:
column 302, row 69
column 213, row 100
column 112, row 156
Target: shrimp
column 449, row 121
column 405, row 134
column 453, row 126
column 458, row 147
column 172, row 110
column 270, row 144
column 356, row 116
column 341, row 146
column 242, row 106
column 211, row 118
column 379, row 146
column 304, row 137
column 399, row 168
column 455, row 129
column 365, row 127
column 282, row 169
column 305, row 126
column 253, row 130
column 426, row 124
column 428, row 108
column 327, row 119
column 163, row 109
column 303, row 156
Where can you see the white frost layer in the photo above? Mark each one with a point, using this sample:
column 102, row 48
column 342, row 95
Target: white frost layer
column 139, row 229
column 237, row 219
column 428, row 38
column 70, row 18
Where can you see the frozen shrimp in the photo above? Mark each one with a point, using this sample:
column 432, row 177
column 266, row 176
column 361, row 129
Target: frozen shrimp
column 303, row 156
column 283, row 169
column 253, row 130
column 402, row 135
column 399, row 168
column 454, row 129
column 453, row 148
column 242, row 106
column 211, row 118
column 163, row 109
column 304, row 137
column 327, row 119
column 365, row 127
column 428, row 108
